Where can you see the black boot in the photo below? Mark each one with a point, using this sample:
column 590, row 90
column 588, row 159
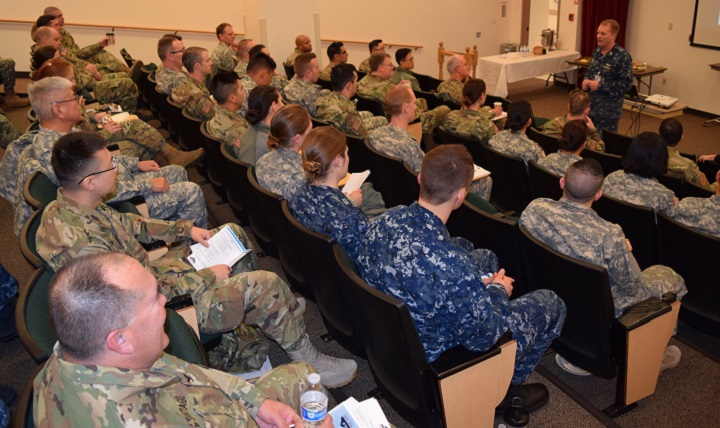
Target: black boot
column 532, row 396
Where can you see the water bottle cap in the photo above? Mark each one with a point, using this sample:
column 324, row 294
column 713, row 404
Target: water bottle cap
column 314, row 378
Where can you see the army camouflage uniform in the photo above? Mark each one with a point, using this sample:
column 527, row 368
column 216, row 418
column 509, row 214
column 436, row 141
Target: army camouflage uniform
column 342, row 113
column 195, row 99
column 397, row 142
column 135, row 139
column 470, row 124
column 10, row 187
column 409, row 255
column 364, row 66
column 93, row 53
column 223, row 56
column 279, row 82
column 516, row 144
column 328, row 211
column 304, row 93
column 227, row 126
column 450, row 91
column 253, row 143
column 167, row 79
column 615, row 71
column 7, row 73
column 559, row 162
column 375, row 88
column 241, row 69
column 326, row 72
column 578, row 232
column 401, row 74
column 647, row 192
column 680, row 166
column 555, row 126
column 8, row 131
column 172, row 392
column 248, row 85
column 702, row 214
column 290, row 61
column 69, row 230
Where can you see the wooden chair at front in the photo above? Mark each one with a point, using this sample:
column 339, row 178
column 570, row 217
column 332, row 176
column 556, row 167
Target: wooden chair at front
column 470, row 56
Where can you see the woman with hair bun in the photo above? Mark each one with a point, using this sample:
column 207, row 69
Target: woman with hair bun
column 513, row 141
column 263, row 102
column 319, row 203
column 572, row 142
column 472, row 120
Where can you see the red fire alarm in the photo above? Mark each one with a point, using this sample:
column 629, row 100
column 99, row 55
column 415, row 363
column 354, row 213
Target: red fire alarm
column 571, row 17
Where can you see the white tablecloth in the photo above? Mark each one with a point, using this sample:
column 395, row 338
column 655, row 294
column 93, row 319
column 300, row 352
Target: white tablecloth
column 499, row 70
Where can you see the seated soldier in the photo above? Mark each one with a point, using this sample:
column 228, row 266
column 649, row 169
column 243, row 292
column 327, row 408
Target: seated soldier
column 337, row 109
column 260, row 72
column 578, row 109
column 7, row 79
column 8, row 131
column 513, row 141
column 451, row 90
column 337, row 54
column 227, row 126
column 403, row 72
column 700, row 213
column 243, row 56
column 170, row 73
column 224, row 54
column 473, row 120
column 277, row 80
column 456, row 294
column 303, row 45
column 571, row 227
column 375, row 46
column 263, row 102
column 303, row 89
column 108, row 366
column 395, row 140
column 78, row 223
column 671, row 131
column 572, row 142
column 376, row 84
column 192, row 92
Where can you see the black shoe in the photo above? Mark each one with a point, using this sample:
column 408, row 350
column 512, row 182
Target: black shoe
column 533, row 396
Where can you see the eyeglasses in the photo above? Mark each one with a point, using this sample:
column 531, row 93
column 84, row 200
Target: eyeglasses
column 75, row 98
column 181, row 50
column 114, row 166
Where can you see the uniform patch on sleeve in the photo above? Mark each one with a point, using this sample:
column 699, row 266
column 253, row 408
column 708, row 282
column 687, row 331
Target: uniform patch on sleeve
column 207, row 106
column 353, row 121
column 236, row 143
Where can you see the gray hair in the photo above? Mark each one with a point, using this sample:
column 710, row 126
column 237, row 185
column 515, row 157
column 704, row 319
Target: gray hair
column 43, row 92
column 453, row 63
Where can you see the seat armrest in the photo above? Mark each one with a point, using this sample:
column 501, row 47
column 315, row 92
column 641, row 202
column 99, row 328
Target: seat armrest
column 459, row 358
column 642, row 313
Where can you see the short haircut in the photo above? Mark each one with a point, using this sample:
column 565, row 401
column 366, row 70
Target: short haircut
column 518, row 113
column 289, row 121
column 73, row 156
column 376, row 60
column 303, row 63
column 671, row 130
column 51, row 10
column 223, row 84
column 165, row 45
column 445, row 170
column 256, row 49
column 341, row 75
column 583, row 179
column 579, row 102
column 472, row 91
column 401, row 54
column 396, row 97
column 43, row 92
column 574, row 135
column 85, row 306
column 221, row 29
column 41, row 56
column 243, row 47
column 334, row 49
column 192, row 56
column 647, row 156
column 320, row 148
column 373, row 44
column 52, row 67
column 453, row 63
column 260, row 61
column 44, row 20
column 42, row 33
column 613, row 24
column 260, row 100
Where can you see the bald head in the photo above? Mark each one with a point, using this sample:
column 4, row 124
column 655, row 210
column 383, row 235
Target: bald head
column 583, row 180
column 303, row 43
column 46, row 36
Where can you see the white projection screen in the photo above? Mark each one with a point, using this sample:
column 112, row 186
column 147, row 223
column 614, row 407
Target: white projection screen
column 706, row 24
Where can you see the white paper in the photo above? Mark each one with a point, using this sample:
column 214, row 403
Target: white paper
column 224, row 248
column 353, row 414
column 480, row 172
column 502, row 116
column 355, row 181
column 266, row 367
column 120, row 117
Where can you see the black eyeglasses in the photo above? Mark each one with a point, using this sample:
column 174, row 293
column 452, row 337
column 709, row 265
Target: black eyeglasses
column 181, row 50
column 114, row 166
column 75, row 98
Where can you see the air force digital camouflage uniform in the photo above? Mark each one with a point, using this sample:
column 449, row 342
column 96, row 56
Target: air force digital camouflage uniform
column 702, row 214
column 580, row 233
column 327, row 210
column 172, row 392
column 397, row 142
column 680, row 166
column 305, row 94
column 616, row 78
column 167, row 79
column 559, row 162
column 342, row 113
column 401, row 74
column 469, row 124
column 227, row 126
column 515, row 143
column 409, row 255
column 375, row 88
column 69, row 230
column 637, row 190
column 223, row 56
column 555, row 127
column 195, row 99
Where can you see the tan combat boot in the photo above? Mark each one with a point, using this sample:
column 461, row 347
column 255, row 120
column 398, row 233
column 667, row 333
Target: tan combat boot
column 334, row 372
column 178, row 157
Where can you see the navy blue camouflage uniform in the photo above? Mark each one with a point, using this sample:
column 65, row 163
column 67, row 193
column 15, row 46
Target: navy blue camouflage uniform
column 409, row 255
column 616, row 77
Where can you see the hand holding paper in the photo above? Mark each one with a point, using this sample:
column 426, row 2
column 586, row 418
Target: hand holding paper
column 223, row 248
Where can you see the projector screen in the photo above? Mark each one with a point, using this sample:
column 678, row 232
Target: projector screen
column 706, row 24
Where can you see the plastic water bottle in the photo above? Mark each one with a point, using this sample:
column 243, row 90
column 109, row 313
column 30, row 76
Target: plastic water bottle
column 313, row 402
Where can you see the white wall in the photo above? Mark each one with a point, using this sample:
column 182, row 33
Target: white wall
column 648, row 39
